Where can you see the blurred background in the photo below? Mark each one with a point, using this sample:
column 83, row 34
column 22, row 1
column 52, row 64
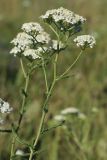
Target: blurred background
column 86, row 90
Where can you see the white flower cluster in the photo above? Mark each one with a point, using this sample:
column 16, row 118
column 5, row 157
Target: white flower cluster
column 34, row 53
column 37, row 32
column 64, row 17
column 84, row 41
column 43, row 38
column 21, row 42
column 69, row 111
column 32, row 28
column 15, row 51
column 26, row 43
column 5, row 107
column 33, row 37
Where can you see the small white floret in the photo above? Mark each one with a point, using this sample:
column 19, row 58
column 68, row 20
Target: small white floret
column 33, row 53
column 60, row 118
column 70, row 110
column 43, row 38
column 32, row 28
column 19, row 152
column 15, row 51
column 5, row 107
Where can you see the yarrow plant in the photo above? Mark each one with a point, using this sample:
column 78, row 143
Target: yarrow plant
column 35, row 49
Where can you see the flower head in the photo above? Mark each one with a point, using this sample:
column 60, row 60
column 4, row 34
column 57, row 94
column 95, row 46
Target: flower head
column 70, row 110
column 5, row 107
column 85, row 41
column 26, row 44
column 31, row 53
column 21, row 42
column 64, row 18
column 34, row 53
column 15, row 51
column 32, row 28
column 43, row 38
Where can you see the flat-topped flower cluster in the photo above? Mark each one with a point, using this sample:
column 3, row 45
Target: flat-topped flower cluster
column 62, row 14
column 32, row 28
column 27, row 42
column 85, row 41
column 65, row 19
column 33, row 42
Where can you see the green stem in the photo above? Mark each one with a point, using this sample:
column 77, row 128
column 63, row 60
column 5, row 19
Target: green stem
column 22, row 109
column 45, row 75
column 23, row 103
column 38, row 134
column 51, row 128
column 44, row 112
column 23, row 69
column 70, row 67
column 31, row 155
column 54, row 31
column 55, row 62
column 12, row 148
column 79, row 146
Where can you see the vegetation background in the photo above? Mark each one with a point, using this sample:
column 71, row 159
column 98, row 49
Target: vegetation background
column 86, row 90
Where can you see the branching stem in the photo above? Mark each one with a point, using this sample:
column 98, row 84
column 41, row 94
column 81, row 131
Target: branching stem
column 22, row 110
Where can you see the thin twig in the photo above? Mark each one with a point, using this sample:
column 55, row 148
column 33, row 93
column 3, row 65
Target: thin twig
column 71, row 66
